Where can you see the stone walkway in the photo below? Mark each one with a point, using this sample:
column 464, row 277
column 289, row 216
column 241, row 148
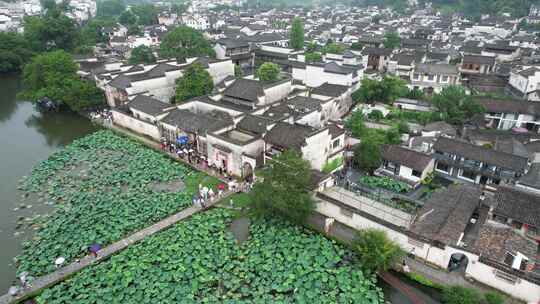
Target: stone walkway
column 68, row 270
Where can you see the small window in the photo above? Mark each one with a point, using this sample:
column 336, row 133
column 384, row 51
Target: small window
column 509, row 259
column 416, row 76
column 443, row 167
column 444, row 79
column 416, row 173
column 346, row 212
column 430, row 77
column 336, row 143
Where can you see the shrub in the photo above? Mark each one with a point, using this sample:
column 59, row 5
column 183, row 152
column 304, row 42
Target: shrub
column 375, row 250
column 461, row 295
column 375, row 115
column 493, row 297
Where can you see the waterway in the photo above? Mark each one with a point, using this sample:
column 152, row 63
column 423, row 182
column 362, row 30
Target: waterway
column 26, row 138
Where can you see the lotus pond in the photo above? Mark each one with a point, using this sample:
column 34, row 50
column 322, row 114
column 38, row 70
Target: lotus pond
column 198, row 261
column 102, row 187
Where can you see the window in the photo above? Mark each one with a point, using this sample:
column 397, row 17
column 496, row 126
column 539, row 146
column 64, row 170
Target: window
column 443, row 167
column 336, row 143
column 468, row 175
column 416, row 76
column 444, row 79
column 430, row 77
column 346, row 212
column 416, row 173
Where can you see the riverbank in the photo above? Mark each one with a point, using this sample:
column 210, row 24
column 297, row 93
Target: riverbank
column 27, row 138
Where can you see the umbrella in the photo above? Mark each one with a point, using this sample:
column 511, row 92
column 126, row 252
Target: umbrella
column 59, row 261
column 95, row 248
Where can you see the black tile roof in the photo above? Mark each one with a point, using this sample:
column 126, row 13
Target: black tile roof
column 149, row 105
column 446, row 214
column 289, row 136
column 518, row 205
column 330, row 90
column 245, row 89
column 485, row 155
column 406, row 157
column 198, row 123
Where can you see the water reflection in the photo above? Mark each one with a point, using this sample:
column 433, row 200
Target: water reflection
column 9, row 86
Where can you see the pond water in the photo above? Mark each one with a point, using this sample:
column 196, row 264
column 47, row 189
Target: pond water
column 26, row 138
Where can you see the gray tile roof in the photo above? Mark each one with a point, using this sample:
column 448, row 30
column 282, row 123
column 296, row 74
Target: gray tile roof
column 245, row 89
column 518, row 205
column 485, row 155
column 406, row 157
column 436, row 69
column 149, row 105
column 198, row 123
column 445, row 215
column 330, row 90
column 289, row 136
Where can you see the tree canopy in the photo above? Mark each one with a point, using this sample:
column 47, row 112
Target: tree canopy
column 284, row 189
column 185, row 42
column 110, row 8
column 54, row 75
column 375, row 250
column 127, row 18
column 146, row 14
column 14, row 52
column 386, row 91
column 142, row 54
column 455, row 106
column 268, row 72
column 334, row 48
column 392, row 40
column 52, row 31
column 313, row 57
column 296, row 39
column 196, row 81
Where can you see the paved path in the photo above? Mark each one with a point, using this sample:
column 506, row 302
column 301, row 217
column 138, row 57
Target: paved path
column 68, row 270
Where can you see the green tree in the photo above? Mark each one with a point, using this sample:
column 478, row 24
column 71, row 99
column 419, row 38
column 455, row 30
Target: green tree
column 127, row 18
column 313, row 57
column 375, row 251
column 455, row 106
column 367, row 155
column 386, row 91
column 238, row 73
column 312, row 47
column 284, row 189
column 52, row 31
column 92, row 32
column 110, row 8
column 355, row 123
column 357, row 46
column 296, row 39
column 375, row 115
column 146, row 14
column 195, row 82
column 334, row 48
column 14, row 52
column 185, row 42
column 268, row 72
column 142, row 54
column 460, row 295
column 54, row 75
column 415, row 93
column 391, row 40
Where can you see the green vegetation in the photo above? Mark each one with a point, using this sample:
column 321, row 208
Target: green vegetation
column 386, row 91
column 284, row 190
column 195, row 82
column 392, row 40
column 184, row 42
column 384, row 182
column 198, row 261
column 461, row 295
column 296, row 39
column 146, row 14
column 313, row 57
column 142, row 54
column 455, row 106
column 15, row 51
column 110, row 8
column 51, row 32
column 269, row 72
column 334, row 48
column 492, row 297
column 330, row 166
column 375, row 115
column 423, row 280
column 422, row 118
column 238, row 73
column 54, row 75
column 367, row 156
column 103, row 188
column 375, row 251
